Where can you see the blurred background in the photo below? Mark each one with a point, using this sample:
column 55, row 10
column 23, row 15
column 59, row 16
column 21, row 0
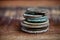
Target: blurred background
column 15, row 9
column 11, row 14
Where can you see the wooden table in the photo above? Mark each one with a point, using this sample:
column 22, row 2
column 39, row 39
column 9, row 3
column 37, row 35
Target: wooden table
column 13, row 32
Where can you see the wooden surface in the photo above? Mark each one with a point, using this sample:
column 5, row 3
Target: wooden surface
column 13, row 32
column 43, row 3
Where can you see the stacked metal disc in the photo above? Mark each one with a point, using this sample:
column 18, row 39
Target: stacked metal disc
column 35, row 21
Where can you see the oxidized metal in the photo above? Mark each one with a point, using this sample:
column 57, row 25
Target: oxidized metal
column 35, row 21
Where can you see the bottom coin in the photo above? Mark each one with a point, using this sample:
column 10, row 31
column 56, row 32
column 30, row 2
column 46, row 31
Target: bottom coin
column 35, row 30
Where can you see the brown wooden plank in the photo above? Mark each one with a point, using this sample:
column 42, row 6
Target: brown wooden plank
column 29, row 3
column 13, row 32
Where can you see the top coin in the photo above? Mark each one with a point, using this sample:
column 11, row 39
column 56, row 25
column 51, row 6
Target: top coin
column 34, row 12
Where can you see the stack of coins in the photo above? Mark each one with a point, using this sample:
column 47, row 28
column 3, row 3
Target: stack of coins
column 35, row 22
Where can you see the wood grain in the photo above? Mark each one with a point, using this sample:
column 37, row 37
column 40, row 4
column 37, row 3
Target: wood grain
column 13, row 32
column 29, row 3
